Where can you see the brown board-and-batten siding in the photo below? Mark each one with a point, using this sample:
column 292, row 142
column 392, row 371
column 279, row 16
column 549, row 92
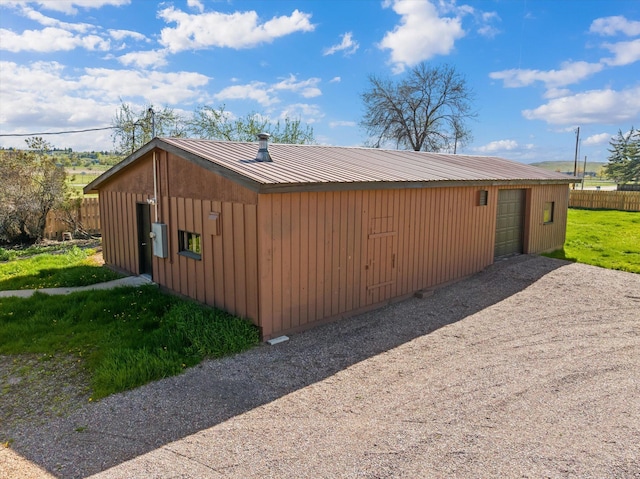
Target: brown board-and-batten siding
column 324, row 255
column 222, row 212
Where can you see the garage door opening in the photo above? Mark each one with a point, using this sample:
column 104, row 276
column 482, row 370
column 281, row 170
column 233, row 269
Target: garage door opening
column 510, row 222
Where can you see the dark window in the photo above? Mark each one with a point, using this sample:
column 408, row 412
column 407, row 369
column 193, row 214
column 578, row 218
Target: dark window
column 483, row 197
column 548, row 212
column 189, row 244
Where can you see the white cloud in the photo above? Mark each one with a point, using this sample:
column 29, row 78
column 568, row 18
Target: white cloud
column 50, row 39
column 197, row 4
column 498, row 145
column 595, row 106
column 266, row 95
column 89, row 100
column 68, row 6
column 625, row 53
column 146, row 59
column 236, row 30
column 556, row 92
column 340, row 123
column 256, row 91
column 156, row 87
column 307, row 113
column 307, row 88
column 120, row 35
column 52, row 22
column 421, row 35
column 488, row 31
column 571, row 72
column 599, row 139
column 335, row 80
column 609, row 26
column 485, row 19
column 347, row 45
column 28, row 106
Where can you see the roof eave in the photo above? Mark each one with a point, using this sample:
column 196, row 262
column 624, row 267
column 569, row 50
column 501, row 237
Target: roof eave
column 94, row 186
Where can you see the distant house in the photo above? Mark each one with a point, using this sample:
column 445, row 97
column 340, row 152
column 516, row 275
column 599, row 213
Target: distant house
column 318, row 232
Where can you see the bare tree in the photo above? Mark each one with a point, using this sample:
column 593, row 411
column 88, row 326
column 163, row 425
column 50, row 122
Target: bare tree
column 424, row 111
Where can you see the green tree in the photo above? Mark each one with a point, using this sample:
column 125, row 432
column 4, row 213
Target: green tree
column 132, row 128
column 217, row 124
column 624, row 157
column 426, row 110
column 31, row 185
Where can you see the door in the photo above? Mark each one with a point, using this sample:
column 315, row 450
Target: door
column 381, row 263
column 510, row 222
column 145, row 264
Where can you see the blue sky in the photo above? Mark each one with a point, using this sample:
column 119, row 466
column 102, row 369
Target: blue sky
column 539, row 68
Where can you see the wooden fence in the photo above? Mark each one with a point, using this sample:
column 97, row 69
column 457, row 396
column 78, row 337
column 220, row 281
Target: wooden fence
column 607, row 200
column 85, row 219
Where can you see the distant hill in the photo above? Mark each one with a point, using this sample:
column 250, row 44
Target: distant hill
column 564, row 166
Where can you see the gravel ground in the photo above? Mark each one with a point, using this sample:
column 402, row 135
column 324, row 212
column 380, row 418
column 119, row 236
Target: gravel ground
column 530, row 368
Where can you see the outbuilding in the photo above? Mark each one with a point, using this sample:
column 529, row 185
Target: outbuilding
column 293, row 235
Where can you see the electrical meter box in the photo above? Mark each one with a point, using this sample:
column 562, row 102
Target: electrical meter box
column 159, row 239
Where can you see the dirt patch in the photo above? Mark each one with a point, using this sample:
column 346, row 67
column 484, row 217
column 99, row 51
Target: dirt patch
column 37, row 388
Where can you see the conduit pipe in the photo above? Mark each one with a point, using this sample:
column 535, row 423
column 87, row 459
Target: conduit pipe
column 155, row 185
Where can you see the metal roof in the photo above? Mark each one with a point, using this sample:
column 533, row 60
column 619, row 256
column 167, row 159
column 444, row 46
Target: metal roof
column 327, row 167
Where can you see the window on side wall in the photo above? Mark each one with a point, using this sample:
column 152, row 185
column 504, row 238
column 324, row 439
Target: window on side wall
column 483, row 197
column 189, row 244
column 548, row 212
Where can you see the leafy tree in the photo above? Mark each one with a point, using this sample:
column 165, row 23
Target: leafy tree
column 31, row 184
column 624, row 157
column 218, row 124
column 132, row 129
column 424, row 111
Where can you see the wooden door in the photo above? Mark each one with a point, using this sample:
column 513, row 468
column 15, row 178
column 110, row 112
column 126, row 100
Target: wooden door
column 381, row 263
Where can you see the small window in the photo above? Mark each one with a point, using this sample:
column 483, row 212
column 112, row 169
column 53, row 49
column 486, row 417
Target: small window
column 189, row 244
column 483, row 197
column 548, row 212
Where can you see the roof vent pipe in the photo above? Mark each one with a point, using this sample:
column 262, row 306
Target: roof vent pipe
column 263, row 152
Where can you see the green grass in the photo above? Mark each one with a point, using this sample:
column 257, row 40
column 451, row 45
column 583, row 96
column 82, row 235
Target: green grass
column 606, row 238
column 125, row 337
column 593, row 182
column 77, row 181
column 10, row 254
column 68, row 267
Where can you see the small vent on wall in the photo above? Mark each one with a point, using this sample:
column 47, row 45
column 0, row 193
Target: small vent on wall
column 214, row 223
column 483, row 197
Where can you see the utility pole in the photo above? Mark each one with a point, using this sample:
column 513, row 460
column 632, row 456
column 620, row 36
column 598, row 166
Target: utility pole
column 153, row 122
column 584, row 171
column 575, row 159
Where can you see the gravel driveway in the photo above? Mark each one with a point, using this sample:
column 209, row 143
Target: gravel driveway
column 530, row 368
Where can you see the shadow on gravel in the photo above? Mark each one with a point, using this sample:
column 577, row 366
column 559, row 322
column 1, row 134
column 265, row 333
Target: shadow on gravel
column 129, row 424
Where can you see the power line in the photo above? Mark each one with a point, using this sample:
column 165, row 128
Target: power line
column 58, row 132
